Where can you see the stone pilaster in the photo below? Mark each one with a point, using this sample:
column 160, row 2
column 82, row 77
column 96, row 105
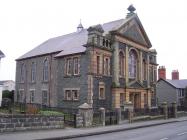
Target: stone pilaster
column 126, row 65
column 116, row 63
column 142, row 100
column 90, row 90
column 140, row 67
column 149, row 99
column 115, row 98
column 127, row 97
column 148, row 80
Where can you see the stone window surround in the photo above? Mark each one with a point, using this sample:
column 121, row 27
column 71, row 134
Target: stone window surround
column 102, row 86
column 71, row 98
column 133, row 65
column 20, row 98
column 106, row 65
column 22, row 73
column 121, row 69
column 102, row 56
column 45, row 70
column 68, row 65
column 44, row 98
column 32, row 95
column 33, row 72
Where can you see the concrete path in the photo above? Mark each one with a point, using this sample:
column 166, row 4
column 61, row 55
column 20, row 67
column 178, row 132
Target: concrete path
column 57, row 134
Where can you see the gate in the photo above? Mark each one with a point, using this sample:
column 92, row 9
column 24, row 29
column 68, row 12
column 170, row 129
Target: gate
column 110, row 118
column 70, row 120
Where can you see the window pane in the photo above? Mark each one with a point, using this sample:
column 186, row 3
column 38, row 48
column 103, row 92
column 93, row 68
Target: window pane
column 98, row 64
column 75, row 94
column 45, row 70
column 75, row 61
column 44, row 97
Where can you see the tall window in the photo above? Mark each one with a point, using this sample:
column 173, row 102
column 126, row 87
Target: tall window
column 75, row 94
column 121, row 64
column 101, row 90
column 101, row 93
column 33, row 72
column 132, row 64
column 76, row 65
column 68, row 94
column 32, row 96
column 20, row 96
column 68, row 66
column 107, row 66
column 44, row 97
column 22, row 73
column 45, row 70
column 98, row 64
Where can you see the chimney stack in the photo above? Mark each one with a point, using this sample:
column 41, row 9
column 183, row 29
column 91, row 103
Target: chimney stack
column 175, row 75
column 162, row 72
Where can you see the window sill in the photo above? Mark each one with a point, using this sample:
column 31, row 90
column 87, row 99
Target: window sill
column 70, row 100
column 101, row 99
column 45, row 81
column 70, row 76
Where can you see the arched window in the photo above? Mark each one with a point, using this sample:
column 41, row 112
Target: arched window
column 22, row 73
column 121, row 64
column 33, row 72
column 132, row 64
column 45, row 70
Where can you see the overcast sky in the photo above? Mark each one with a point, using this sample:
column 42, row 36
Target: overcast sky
column 24, row 24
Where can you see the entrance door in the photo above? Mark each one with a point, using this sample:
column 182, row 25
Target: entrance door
column 135, row 99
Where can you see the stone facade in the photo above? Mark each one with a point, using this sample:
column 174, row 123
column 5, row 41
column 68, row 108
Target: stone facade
column 114, row 65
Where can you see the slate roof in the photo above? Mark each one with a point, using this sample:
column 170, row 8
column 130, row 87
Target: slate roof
column 71, row 43
column 178, row 83
column 1, row 54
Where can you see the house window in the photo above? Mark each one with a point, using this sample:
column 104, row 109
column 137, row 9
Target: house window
column 132, row 64
column 71, row 94
column 68, row 95
column 75, row 94
column 101, row 93
column 107, row 66
column 76, row 65
column 101, row 90
column 98, row 64
column 32, row 92
column 33, row 72
column 45, row 70
column 121, row 64
column 44, row 97
column 68, row 66
column 20, row 96
column 22, row 73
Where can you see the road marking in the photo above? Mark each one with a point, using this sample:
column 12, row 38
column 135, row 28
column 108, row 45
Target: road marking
column 164, row 139
column 181, row 133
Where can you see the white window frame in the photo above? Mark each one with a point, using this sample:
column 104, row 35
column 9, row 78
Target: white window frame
column 32, row 95
column 44, row 98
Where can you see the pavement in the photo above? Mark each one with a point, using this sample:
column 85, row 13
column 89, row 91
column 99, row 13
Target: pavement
column 69, row 133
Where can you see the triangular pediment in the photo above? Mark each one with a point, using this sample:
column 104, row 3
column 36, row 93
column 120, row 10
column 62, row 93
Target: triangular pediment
column 133, row 30
column 136, row 84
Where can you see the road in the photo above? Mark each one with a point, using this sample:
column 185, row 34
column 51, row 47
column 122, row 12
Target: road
column 172, row 131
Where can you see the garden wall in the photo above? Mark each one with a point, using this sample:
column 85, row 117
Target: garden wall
column 10, row 123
